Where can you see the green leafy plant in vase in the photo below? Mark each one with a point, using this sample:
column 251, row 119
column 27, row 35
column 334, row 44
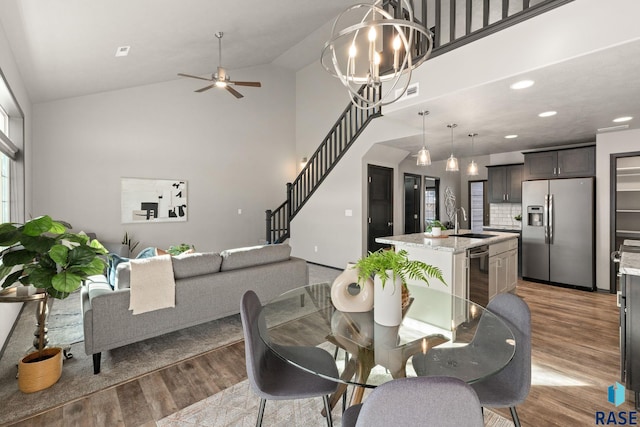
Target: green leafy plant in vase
column 385, row 265
column 43, row 254
column 434, row 224
column 179, row 249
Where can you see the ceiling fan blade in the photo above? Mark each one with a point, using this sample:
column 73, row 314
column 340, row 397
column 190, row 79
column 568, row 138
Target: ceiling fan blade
column 234, row 92
column 194, row 77
column 254, row 84
column 205, row 88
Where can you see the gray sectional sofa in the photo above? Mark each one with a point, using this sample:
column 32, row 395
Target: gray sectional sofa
column 208, row 287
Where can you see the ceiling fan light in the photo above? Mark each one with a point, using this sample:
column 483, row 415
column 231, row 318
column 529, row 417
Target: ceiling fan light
column 424, row 157
column 452, row 164
column 472, row 169
column 221, row 83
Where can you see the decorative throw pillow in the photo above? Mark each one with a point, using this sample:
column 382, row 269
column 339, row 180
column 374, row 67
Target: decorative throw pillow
column 147, row 253
column 113, row 261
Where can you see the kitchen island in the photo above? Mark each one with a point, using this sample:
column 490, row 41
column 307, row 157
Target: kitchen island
column 473, row 268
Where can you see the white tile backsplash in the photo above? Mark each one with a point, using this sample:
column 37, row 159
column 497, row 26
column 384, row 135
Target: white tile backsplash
column 502, row 215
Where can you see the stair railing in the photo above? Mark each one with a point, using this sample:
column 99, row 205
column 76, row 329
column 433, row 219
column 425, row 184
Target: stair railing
column 340, row 138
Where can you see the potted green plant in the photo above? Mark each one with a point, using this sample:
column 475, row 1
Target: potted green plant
column 43, row 254
column 178, row 249
column 435, row 227
column 386, row 265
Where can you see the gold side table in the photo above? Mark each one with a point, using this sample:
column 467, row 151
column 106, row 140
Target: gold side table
column 23, row 293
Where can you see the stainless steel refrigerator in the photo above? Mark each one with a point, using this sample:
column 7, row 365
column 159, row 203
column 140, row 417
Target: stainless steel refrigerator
column 558, row 231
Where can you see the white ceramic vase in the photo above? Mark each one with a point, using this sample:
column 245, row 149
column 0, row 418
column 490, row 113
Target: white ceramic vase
column 344, row 300
column 387, row 304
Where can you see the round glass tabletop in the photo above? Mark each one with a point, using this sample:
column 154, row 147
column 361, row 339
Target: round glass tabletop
column 440, row 334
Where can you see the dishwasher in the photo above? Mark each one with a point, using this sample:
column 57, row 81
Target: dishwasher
column 478, row 280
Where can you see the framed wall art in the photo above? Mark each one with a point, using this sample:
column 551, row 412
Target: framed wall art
column 153, row 200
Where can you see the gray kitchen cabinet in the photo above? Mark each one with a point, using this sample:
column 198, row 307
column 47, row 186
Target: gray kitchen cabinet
column 503, row 267
column 505, row 183
column 565, row 163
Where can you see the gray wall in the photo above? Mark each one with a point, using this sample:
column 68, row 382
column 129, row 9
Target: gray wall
column 235, row 154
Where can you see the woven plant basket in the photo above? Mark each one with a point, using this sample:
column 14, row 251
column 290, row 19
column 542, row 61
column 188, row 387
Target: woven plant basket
column 35, row 375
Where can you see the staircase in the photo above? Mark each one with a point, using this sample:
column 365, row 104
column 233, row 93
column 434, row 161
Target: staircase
column 340, row 138
column 354, row 120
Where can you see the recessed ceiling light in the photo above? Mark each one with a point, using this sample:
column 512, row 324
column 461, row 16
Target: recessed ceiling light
column 548, row 114
column 123, row 51
column 511, row 136
column 522, row 84
column 622, row 119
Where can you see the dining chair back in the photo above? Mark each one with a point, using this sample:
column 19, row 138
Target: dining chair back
column 418, row 401
column 273, row 378
column 510, row 386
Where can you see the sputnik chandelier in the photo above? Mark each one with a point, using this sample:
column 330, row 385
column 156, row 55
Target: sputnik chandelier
column 379, row 48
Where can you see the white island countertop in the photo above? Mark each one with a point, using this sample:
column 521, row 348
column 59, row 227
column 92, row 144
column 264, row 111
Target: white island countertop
column 447, row 244
column 630, row 261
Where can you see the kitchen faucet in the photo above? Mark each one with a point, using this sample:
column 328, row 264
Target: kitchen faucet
column 455, row 219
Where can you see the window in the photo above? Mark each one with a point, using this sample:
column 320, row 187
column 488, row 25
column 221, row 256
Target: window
column 5, row 172
column 431, row 205
column 12, row 171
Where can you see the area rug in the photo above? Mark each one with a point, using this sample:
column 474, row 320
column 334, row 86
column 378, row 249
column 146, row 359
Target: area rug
column 118, row 365
column 237, row 406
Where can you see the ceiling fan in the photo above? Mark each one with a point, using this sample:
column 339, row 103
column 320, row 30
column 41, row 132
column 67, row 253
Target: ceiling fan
column 220, row 78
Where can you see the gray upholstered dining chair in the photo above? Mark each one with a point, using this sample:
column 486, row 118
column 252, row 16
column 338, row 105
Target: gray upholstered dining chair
column 418, row 401
column 273, row 378
column 510, row 386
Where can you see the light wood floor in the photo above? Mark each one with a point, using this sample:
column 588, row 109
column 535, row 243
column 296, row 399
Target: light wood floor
column 575, row 358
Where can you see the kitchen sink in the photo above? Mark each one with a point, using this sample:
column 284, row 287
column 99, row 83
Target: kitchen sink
column 473, row 235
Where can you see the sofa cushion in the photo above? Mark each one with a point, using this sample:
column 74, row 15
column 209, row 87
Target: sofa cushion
column 195, row 264
column 234, row 259
column 184, row 265
column 115, row 260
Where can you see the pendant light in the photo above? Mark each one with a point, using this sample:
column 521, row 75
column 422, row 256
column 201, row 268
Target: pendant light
column 472, row 169
column 452, row 162
column 424, row 157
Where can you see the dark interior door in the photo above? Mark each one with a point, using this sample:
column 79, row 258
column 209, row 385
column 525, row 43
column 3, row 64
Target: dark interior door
column 380, row 200
column 412, row 191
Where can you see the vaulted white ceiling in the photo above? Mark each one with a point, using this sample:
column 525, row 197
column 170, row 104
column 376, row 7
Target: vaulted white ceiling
column 66, row 48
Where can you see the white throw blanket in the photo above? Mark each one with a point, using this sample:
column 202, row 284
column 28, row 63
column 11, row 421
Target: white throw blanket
column 152, row 284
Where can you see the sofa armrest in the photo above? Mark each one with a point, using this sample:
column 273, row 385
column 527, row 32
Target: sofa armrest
column 98, row 302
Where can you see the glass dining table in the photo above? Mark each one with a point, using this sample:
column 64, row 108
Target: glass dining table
column 440, row 334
